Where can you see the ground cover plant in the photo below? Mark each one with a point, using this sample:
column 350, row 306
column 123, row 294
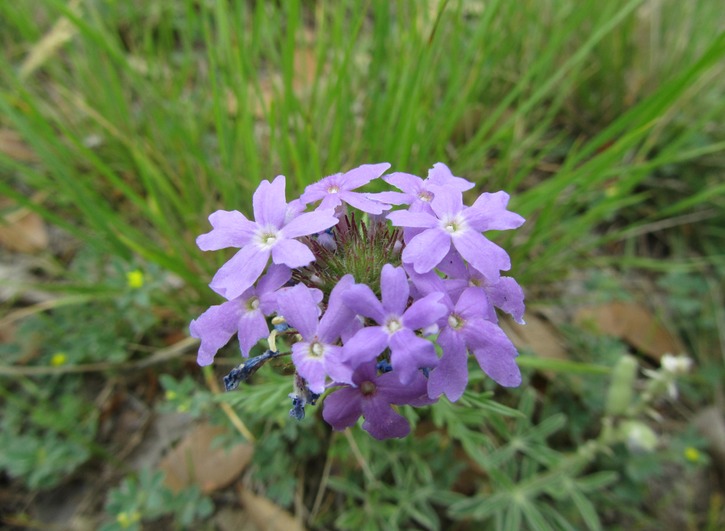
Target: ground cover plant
column 123, row 125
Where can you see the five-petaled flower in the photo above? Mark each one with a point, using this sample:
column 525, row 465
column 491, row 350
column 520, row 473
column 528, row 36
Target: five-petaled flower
column 271, row 234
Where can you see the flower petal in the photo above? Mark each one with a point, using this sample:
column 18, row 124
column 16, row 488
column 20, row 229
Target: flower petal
column 311, row 368
column 495, row 353
column 441, row 175
column 404, row 218
column 338, row 317
column 310, row 223
column 410, row 353
column 230, row 229
column 381, row 421
column 336, row 368
column 361, row 300
column 489, row 213
column 414, row 394
column 362, row 203
column 482, row 254
column 508, row 295
column 427, row 249
column 342, row 408
column 391, row 198
column 269, row 203
column 215, row 327
column 425, row 311
column 362, row 175
column 364, row 346
column 451, row 375
column 299, row 309
column 252, row 328
column 276, row 277
column 408, row 183
column 240, row 272
column 292, row 254
column 446, row 202
column 474, row 302
column 394, row 289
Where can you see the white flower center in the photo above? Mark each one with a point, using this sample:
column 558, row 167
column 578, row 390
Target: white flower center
column 455, row 225
column 393, row 325
column 267, row 237
column 316, row 349
column 455, row 321
column 425, row 195
column 252, row 303
column 333, row 189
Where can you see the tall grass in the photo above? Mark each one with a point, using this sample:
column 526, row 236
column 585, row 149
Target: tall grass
column 148, row 116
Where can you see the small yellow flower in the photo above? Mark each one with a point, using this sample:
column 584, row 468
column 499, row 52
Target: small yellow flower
column 58, row 359
column 126, row 520
column 134, row 279
column 692, row 454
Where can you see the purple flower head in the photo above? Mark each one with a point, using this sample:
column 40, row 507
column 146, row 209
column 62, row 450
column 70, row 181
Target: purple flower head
column 363, row 299
column 454, row 224
column 397, row 323
column 271, row 234
column 468, row 329
column 371, row 397
column 338, row 188
column 243, row 315
column 317, row 356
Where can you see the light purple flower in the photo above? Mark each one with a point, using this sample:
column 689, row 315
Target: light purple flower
column 453, row 223
column 271, row 234
column 243, row 315
column 504, row 293
column 372, row 397
column 418, row 193
column 467, row 329
column 317, row 356
column 397, row 324
column 336, row 189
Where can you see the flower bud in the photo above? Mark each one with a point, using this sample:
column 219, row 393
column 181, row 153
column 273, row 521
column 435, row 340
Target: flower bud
column 621, row 387
column 638, row 436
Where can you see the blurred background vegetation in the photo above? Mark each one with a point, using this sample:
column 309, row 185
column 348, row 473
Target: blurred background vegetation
column 123, row 124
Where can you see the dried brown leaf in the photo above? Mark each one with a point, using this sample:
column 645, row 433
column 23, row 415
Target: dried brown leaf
column 634, row 324
column 537, row 335
column 266, row 515
column 23, row 231
column 12, row 145
column 196, row 461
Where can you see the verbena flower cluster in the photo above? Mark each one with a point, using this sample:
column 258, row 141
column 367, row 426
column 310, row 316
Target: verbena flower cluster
column 382, row 296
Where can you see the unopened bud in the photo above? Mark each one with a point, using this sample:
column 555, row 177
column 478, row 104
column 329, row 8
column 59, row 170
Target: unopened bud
column 639, row 437
column 621, row 388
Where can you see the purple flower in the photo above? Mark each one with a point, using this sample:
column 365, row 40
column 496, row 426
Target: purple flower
column 271, row 234
column 468, row 329
column 452, row 223
column 337, row 188
column 418, row 193
column 397, row 324
column 372, row 397
column 243, row 315
column 504, row 293
column 317, row 356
